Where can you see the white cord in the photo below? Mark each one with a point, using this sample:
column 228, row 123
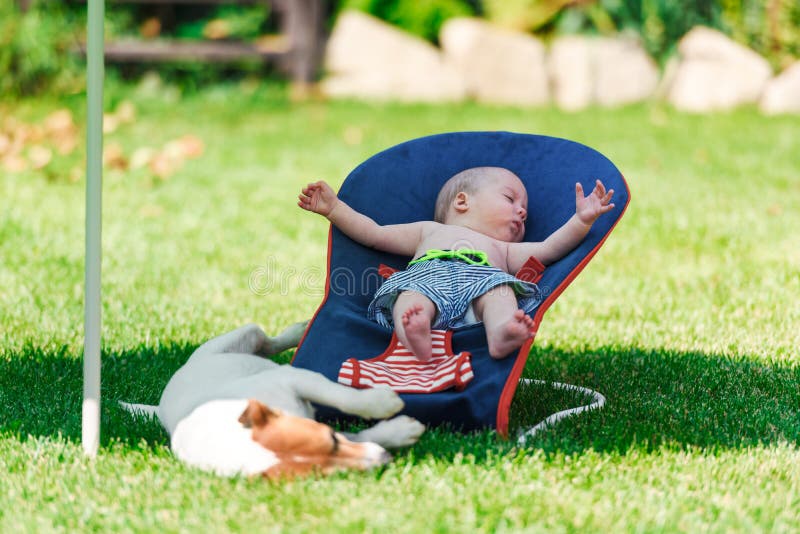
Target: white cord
column 598, row 401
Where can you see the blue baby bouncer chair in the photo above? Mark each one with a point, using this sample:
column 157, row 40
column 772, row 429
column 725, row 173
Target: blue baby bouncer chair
column 400, row 185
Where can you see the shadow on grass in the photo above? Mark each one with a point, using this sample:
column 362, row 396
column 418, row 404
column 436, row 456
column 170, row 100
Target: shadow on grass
column 657, row 398
column 654, row 398
column 42, row 392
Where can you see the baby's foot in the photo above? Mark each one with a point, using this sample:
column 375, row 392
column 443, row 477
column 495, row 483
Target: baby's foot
column 511, row 335
column 417, row 328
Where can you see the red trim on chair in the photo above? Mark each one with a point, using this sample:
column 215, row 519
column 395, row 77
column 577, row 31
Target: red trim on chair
column 510, row 388
column 324, row 298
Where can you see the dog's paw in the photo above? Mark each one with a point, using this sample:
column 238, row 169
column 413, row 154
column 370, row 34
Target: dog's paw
column 292, row 335
column 287, row 339
column 379, row 403
column 400, row 431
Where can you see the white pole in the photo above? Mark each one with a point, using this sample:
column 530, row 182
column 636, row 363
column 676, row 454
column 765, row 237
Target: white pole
column 90, row 423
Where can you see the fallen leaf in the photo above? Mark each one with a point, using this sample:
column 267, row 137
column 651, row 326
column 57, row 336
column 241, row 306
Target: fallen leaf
column 35, row 133
column 76, row 174
column 20, row 134
column 39, row 156
column 191, row 146
column 150, row 28
column 59, row 122
column 173, row 150
column 10, row 125
column 151, row 210
column 15, row 163
column 775, row 209
column 5, row 143
column 114, row 157
column 66, row 143
column 162, row 166
column 110, row 123
column 126, row 112
column 61, row 130
column 142, row 157
column 216, row 29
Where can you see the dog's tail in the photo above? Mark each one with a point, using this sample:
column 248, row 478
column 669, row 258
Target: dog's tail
column 141, row 410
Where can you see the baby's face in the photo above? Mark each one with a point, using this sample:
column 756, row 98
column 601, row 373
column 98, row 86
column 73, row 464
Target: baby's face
column 500, row 207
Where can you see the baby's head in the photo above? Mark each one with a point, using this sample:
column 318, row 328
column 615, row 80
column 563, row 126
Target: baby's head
column 490, row 200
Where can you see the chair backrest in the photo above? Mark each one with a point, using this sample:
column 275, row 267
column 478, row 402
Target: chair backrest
column 400, row 185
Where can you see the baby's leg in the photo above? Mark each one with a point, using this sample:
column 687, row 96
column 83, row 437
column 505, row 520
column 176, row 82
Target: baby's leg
column 507, row 327
column 412, row 314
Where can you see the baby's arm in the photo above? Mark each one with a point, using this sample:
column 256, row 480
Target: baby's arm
column 395, row 238
column 566, row 238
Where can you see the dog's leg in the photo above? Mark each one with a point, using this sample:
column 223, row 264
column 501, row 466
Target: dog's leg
column 376, row 403
column 401, row 431
column 287, row 339
column 251, row 339
column 245, row 340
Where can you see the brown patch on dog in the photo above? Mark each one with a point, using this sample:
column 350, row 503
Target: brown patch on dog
column 256, row 414
column 305, row 446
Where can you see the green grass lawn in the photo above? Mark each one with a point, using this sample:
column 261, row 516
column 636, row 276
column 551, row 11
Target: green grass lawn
column 687, row 320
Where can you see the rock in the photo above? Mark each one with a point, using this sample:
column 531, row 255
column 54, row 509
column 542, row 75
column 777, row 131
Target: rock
column 570, row 66
column 624, row 72
column 499, row 66
column 606, row 71
column 368, row 58
column 716, row 73
column 782, row 94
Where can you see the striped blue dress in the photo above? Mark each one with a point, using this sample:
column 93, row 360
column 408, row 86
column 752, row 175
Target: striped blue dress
column 451, row 285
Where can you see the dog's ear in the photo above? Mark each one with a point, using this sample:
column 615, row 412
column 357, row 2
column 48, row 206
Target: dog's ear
column 256, row 414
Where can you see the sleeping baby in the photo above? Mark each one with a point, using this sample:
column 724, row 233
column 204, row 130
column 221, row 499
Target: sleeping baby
column 463, row 258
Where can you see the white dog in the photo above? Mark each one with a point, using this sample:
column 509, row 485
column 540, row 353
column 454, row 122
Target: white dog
column 232, row 411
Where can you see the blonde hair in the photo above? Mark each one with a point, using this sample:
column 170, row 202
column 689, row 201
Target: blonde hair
column 468, row 181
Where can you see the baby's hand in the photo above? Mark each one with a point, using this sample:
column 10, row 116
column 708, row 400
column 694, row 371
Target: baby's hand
column 596, row 203
column 318, row 197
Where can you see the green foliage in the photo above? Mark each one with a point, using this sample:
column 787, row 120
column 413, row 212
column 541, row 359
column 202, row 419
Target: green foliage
column 191, row 22
column 523, row 15
column 37, row 49
column 661, row 23
column 419, row 17
column 771, row 28
column 230, row 21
